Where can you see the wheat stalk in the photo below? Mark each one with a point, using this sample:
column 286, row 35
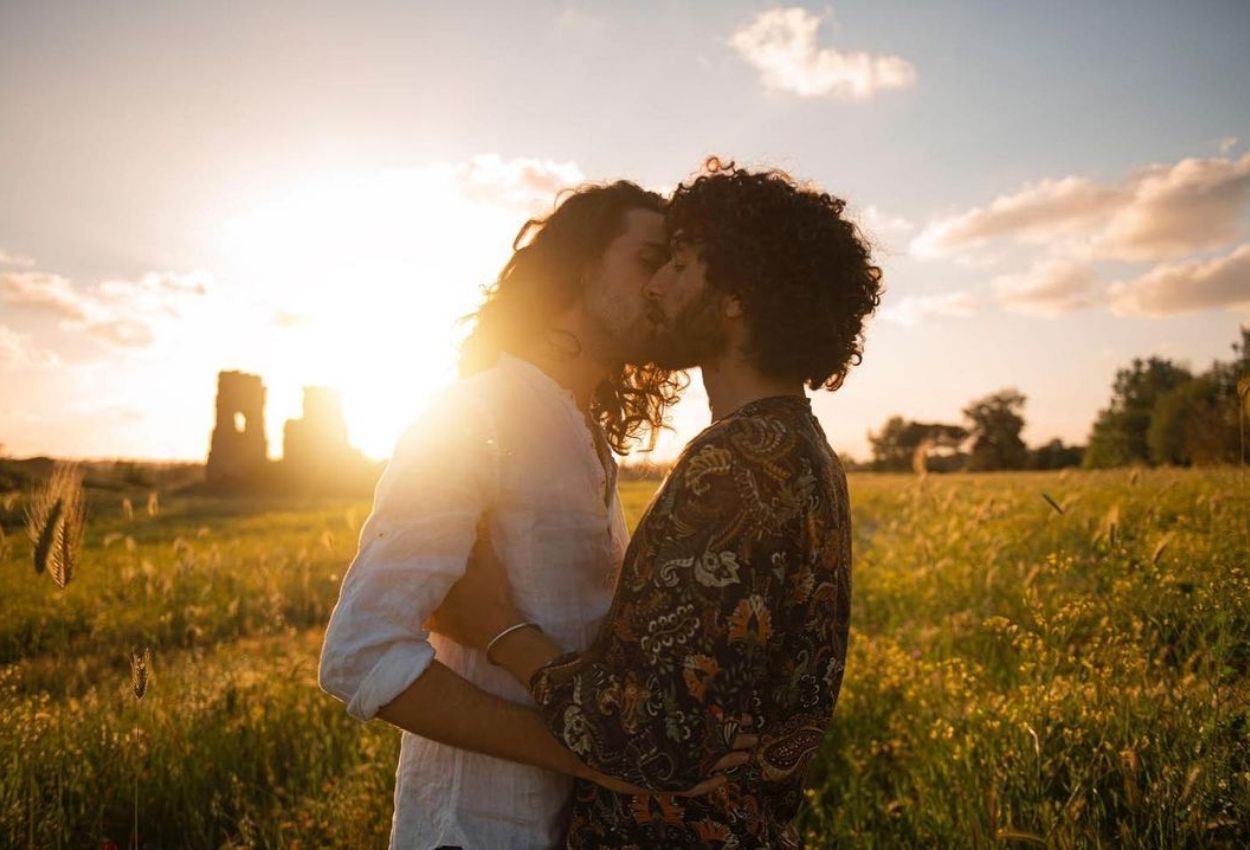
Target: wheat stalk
column 140, row 662
column 73, row 525
column 55, row 522
column 43, row 523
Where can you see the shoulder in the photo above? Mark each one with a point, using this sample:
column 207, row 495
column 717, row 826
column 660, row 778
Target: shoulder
column 761, row 458
column 777, row 440
column 457, row 418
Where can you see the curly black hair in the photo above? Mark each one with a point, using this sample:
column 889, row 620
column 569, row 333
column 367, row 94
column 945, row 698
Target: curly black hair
column 543, row 276
column 803, row 272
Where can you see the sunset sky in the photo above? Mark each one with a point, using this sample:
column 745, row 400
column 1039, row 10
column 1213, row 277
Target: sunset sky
column 314, row 192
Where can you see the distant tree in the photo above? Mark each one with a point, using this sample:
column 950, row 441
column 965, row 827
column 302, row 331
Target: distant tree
column 1119, row 434
column 996, row 425
column 896, row 445
column 1054, row 455
column 1201, row 421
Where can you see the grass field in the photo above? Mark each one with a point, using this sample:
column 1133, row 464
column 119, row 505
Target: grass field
column 1022, row 673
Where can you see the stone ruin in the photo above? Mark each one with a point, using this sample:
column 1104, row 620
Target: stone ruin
column 315, row 451
column 317, row 457
column 238, row 454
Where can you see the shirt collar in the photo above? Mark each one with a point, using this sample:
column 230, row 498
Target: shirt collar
column 537, row 378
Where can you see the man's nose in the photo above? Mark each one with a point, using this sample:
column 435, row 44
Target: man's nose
column 655, row 284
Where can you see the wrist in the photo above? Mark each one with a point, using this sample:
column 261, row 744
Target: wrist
column 502, row 635
column 523, row 651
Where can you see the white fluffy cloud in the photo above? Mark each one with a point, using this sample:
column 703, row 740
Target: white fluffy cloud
column 1194, row 205
column 121, row 312
column 1038, row 212
column 781, row 44
column 17, row 352
column 1051, row 288
column 880, row 223
column 49, row 292
column 912, row 309
column 520, row 182
column 1186, row 286
column 1161, row 212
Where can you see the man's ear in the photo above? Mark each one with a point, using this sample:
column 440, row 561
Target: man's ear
column 732, row 307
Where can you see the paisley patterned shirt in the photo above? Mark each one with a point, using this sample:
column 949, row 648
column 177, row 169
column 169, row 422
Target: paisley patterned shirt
column 734, row 598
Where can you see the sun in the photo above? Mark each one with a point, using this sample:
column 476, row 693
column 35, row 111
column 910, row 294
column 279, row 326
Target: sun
column 367, row 280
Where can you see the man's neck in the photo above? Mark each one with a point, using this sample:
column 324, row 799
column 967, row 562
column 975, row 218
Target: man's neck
column 578, row 373
column 732, row 382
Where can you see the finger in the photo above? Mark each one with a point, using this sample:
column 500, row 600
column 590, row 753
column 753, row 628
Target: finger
column 730, row 761
column 745, row 742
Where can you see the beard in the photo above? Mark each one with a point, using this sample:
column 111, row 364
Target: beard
column 695, row 335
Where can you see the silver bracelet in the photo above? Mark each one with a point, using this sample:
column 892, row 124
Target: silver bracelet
column 504, row 634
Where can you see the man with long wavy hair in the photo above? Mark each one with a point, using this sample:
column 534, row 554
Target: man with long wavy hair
column 734, row 598
column 552, row 380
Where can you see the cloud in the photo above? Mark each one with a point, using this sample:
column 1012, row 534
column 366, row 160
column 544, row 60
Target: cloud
column 17, row 352
column 781, row 45
column 50, row 292
column 878, row 222
column 10, row 259
column 127, row 333
column 912, row 309
column 1037, row 213
column 1051, row 288
column 1194, row 205
column 155, row 293
column 1227, row 144
column 521, row 182
column 1160, row 212
column 1222, row 282
column 120, row 312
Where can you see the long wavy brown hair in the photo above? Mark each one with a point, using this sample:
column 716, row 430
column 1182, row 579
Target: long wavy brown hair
column 544, row 275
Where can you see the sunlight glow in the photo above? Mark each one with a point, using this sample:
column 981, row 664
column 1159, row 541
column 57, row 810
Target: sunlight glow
column 364, row 280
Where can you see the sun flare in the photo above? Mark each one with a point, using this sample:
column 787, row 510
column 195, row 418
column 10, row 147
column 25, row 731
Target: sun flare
column 366, row 280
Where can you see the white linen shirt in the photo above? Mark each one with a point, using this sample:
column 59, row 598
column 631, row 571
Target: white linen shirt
column 509, row 441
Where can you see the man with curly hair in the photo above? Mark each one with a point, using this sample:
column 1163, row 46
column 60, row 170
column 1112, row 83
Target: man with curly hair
column 734, row 598
column 521, row 445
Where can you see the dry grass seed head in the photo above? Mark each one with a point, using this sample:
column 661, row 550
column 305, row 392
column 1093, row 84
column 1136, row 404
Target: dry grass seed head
column 55, row 522
column 140, row 663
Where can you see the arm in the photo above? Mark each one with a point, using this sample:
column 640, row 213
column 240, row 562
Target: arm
column 657, row 698
column 442, row 706
column 376, row 655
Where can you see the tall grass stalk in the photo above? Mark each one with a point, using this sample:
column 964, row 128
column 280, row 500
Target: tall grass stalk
column 56, row 521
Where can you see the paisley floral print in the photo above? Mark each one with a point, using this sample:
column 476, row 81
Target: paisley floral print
column 734, row 599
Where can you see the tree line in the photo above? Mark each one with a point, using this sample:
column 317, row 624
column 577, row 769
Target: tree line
column 1160, row 413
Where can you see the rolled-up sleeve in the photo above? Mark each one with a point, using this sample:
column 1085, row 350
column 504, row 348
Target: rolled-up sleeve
column 414, row 545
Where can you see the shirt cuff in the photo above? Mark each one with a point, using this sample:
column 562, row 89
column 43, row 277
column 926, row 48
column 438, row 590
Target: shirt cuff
column 398, row 668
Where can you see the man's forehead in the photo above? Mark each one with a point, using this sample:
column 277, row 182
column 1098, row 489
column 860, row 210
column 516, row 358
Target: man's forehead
column 645, row 227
